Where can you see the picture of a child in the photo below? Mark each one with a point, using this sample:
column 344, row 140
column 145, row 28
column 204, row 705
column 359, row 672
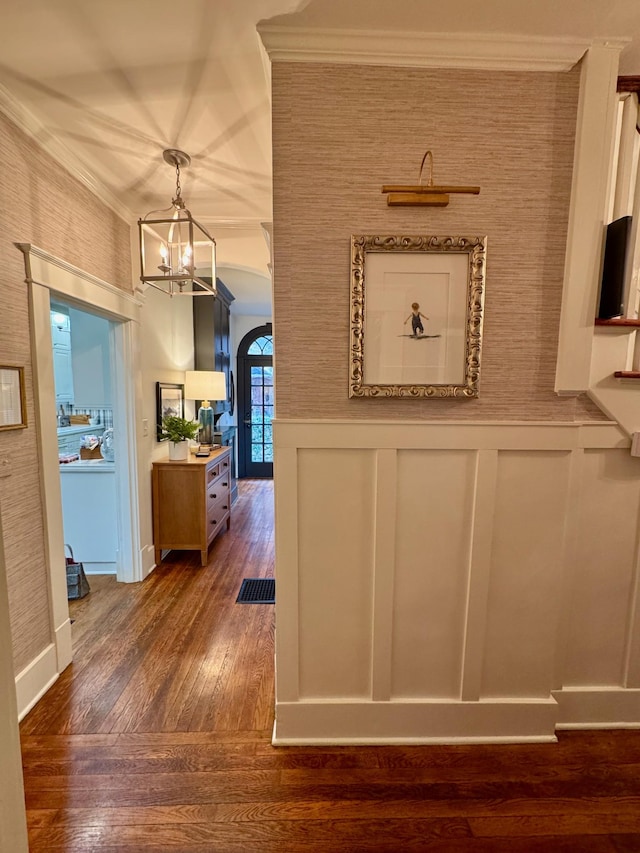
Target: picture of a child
column 416, row 321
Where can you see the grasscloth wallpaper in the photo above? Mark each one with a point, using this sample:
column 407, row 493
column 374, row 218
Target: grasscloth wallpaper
column 339, row 133
column 43, row 205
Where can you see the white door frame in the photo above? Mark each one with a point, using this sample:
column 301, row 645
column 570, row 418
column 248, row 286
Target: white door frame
column 46, row 274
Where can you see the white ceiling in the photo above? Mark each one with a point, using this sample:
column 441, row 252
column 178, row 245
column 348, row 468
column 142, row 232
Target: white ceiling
column 114, row 82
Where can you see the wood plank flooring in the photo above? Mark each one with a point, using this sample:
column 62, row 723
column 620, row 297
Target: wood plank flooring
column 157, row 738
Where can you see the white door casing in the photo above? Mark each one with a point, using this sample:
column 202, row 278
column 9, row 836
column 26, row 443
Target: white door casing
column 46, row 274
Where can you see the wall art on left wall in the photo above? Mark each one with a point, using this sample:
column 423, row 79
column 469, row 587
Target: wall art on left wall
column 13, row 405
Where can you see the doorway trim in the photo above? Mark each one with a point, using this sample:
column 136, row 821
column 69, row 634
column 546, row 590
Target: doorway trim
column 46, row 275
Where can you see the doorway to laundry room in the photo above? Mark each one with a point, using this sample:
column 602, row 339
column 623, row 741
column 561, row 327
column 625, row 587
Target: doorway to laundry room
column 83, row 360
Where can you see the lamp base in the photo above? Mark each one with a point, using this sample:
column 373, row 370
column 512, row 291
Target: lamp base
column 205, row 419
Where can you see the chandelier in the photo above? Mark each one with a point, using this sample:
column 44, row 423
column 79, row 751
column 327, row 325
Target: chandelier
column 177, row 255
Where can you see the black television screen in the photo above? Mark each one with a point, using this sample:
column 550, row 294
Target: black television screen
column 614, row 269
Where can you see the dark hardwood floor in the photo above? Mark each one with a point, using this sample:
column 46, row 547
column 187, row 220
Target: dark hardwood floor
column 157, row 738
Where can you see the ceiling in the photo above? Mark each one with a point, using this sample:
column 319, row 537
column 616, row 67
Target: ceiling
column 109, row 84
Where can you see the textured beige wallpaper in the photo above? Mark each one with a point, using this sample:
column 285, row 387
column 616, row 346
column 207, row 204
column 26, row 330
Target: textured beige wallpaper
column 339, row 133
column 43, row 205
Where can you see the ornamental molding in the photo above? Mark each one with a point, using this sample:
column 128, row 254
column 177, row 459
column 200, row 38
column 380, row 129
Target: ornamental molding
column 428, row 50
column 34, row 128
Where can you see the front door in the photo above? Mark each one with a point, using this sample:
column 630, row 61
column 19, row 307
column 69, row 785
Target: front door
column 255, row 404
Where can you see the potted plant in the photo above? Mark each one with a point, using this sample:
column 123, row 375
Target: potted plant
column 179, row 431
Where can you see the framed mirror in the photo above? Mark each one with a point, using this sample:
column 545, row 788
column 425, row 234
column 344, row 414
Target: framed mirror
column 169, row 401
column 416, row 316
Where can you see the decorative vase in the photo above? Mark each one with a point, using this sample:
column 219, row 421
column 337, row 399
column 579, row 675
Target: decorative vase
column 178, row 451
column 107, row 445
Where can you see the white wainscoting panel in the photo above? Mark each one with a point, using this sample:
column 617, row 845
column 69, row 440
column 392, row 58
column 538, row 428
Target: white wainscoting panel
column 526, row 567
column 434, row 512
column 336, row 499
column 445, row 581
column 606, row 556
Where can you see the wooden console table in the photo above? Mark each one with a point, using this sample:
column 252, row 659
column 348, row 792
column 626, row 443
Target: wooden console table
column 191, row 502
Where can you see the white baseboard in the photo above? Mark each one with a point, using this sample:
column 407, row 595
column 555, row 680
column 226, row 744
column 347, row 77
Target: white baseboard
column 35, row 679
column 499, row 721
column 63, row 643
column 99, row 568
column 148, row 560
column 598, row 708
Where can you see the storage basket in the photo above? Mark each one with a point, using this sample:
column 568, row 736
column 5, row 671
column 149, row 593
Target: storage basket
column 85, row 453
column 77, row 583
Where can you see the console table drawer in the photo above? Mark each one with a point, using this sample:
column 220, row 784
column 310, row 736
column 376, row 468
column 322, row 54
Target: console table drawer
column 217, row 514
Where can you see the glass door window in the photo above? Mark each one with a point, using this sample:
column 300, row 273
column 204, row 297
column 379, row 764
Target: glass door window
column 261, row 413
column 255, row 404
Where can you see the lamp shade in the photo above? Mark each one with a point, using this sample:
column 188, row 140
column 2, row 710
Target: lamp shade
column 205, row 385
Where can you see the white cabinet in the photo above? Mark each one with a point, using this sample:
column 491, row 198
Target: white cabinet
column 91, row 361
column 89, row 511
column 63, row 375
column 62, row 367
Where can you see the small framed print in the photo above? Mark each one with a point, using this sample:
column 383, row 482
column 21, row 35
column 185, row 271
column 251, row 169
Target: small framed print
column 13, row 404
column 416, row 316
column 169, row 401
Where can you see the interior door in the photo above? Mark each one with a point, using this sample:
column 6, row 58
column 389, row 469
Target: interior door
column 255, row 416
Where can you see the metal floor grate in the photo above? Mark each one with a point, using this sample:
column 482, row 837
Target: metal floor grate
column 257, row 591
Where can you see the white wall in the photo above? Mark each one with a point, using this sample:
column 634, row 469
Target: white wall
column 166, row 351
column 479, row 582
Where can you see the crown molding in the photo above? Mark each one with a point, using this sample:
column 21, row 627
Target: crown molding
column 34, row 128
column 249, row 224
column 428, row 50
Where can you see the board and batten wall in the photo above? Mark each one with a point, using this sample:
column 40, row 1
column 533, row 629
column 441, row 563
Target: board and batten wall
column 446, row 569
column 51, row 210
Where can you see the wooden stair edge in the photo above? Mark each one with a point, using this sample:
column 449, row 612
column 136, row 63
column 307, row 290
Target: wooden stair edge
column 620, row 322
column 627, row 374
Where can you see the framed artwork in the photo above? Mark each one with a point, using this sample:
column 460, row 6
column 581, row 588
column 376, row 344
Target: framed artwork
column 416, row 316
column 169, row 401
column 13, row 403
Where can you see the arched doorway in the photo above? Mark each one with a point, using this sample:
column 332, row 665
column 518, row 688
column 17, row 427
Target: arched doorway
column 255, row 403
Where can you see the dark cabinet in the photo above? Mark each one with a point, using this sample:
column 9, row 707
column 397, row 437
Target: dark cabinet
column 212, row 340
column 227, row 438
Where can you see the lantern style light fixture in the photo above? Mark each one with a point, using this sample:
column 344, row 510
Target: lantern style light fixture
column 177, row 255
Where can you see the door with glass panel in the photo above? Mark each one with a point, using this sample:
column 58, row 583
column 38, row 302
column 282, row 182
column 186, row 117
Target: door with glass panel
column 255, row 403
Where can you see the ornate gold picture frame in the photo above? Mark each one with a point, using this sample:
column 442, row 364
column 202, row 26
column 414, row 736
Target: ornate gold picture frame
column 416, row 316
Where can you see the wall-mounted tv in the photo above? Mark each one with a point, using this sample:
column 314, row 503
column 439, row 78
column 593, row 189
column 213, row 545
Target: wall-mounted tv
column 614, row 269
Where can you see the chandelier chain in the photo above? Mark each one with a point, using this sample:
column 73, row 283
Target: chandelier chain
column 178, row 201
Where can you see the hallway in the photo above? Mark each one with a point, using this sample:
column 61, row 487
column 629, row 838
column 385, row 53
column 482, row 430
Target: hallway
column 157, row 739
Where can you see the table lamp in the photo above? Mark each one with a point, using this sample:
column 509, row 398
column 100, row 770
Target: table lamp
column 205, row 385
